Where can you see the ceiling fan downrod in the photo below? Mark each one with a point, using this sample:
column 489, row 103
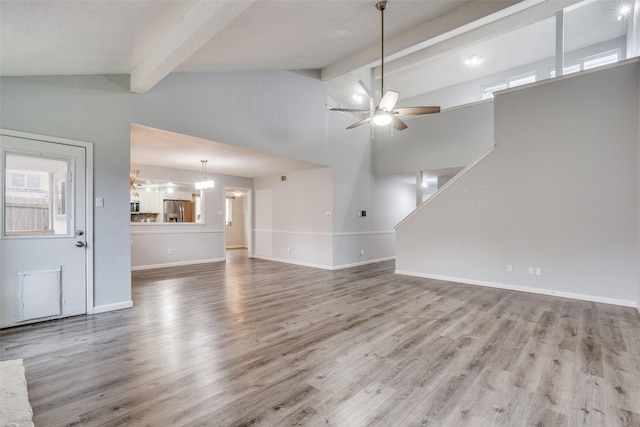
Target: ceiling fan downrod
column 381, row 6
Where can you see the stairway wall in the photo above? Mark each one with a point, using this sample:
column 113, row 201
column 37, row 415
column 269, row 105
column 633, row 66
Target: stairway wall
column 557, row 194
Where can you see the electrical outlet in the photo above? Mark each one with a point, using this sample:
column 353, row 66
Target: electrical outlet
column 361, row 252
column 289, row 250
column 531, row 270
column 538, row 271
column 509, row 268
column 169, row 251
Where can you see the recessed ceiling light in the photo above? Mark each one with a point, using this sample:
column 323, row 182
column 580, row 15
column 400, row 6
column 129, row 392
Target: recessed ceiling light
column 473, row 61
column 357, row 98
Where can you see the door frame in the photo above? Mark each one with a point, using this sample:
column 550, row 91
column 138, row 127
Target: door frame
column 250, row 214
column 88, row 147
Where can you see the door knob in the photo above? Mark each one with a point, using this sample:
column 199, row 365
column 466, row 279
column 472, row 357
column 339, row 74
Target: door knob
column 79, row 244
column 79, row 232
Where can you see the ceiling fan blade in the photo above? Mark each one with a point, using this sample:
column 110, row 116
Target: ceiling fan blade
column 365, row 88
column 350, row 110
column 398, row 124
column 389, row 100
column 360, row 123
column 415, row 111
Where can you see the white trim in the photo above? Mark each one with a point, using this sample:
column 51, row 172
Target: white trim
column 305, row 233
column 88, row 147
column 314, row 233
column 176, row 264
column 288, row 261
column 550, row 292
column 323, row 267
column 190, row 231
column 357, row 264
column 363, row 233
column 112, row 307
column 447, row 184
column 569, row 76
column 237, row 247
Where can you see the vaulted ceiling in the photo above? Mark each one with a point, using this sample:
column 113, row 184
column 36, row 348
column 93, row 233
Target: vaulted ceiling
column 150, row 38
column 426, row 41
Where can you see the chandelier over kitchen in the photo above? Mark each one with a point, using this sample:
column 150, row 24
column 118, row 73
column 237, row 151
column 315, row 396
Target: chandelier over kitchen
column 204, row 182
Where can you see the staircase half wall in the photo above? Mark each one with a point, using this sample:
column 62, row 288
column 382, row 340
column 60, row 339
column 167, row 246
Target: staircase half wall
column 552, row 209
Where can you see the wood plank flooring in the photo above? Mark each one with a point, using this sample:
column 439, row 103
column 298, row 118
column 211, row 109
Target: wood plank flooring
column 252, row 342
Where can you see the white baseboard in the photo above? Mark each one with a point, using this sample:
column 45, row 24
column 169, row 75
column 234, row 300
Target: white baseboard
column 236, row 247
column 175, row 264
column 323, row 267
column 112, row 307
column 357, row 264
column 550, row 292
column 288, row 261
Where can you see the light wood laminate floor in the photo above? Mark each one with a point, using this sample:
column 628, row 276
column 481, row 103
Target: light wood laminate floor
column 252, row 342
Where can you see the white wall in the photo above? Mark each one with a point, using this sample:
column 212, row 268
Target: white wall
column 390, row 200
column 452, row 138
column 557, row 193
column 294, row 218
column 188, row 243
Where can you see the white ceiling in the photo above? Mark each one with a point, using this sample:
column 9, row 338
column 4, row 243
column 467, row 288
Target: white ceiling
column 150, row 38
column 150, row 146
column 426, row 42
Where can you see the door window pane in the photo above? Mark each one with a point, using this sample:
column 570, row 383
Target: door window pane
column 36, row 198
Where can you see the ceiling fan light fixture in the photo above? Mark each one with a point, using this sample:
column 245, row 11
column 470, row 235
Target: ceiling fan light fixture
column 382, row 118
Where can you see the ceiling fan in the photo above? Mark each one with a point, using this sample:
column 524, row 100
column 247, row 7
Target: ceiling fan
column 385, row 112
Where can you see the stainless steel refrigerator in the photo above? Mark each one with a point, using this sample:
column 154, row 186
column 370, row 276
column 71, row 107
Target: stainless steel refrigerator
column 178, row 211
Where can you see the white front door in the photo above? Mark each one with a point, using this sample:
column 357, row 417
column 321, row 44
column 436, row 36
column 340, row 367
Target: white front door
column 43, row 262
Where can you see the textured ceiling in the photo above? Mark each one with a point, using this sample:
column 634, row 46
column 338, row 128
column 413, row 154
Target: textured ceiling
column 426, row 43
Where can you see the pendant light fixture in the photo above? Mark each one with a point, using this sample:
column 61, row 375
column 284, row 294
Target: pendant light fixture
column 204, row 182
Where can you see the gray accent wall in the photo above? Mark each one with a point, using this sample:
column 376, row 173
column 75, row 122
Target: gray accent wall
column 94, row 109
column 558, row 194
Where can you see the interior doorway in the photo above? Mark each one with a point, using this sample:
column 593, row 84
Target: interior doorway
column 238, row 218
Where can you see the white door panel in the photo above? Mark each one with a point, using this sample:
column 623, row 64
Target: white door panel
column 43, row 266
